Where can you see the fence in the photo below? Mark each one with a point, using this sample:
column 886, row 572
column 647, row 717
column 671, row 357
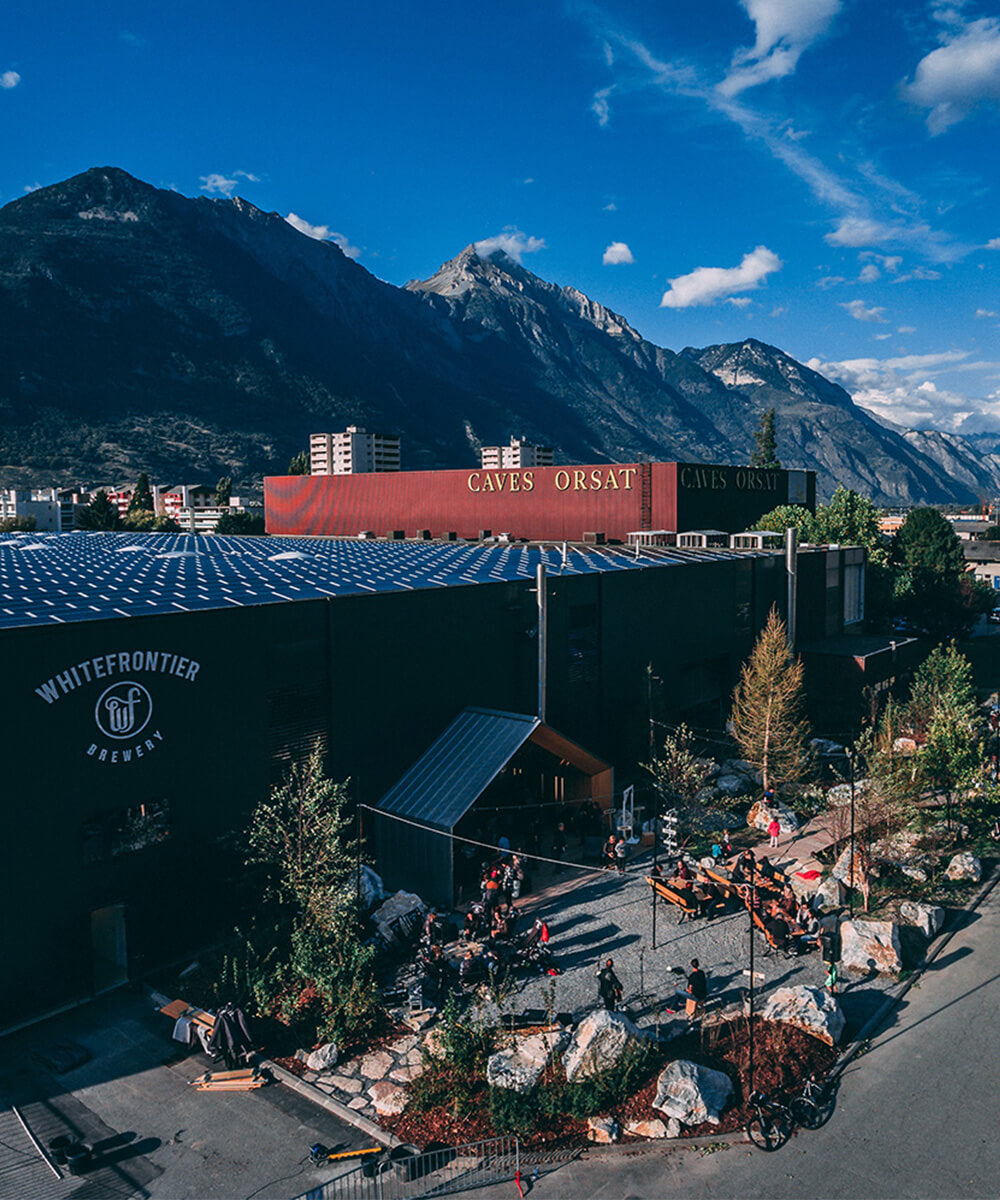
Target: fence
column 404, row 1175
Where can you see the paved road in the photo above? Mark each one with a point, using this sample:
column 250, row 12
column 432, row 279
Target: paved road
column 917, row 1115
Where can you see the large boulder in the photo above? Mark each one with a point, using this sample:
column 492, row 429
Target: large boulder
column 394, row 912
column 603, row 1130
column 928, row 918
column 870, row 946
column 965, row 868
column 372, row 891
column 734, row 785
column 389, row 1099
column 842, row 868
column 761, row 814
column 812, row 1010
column 830, row 893
column 654, row 1129
column 323, row 1059
column 825, row 748
column 691, row 1093
column 841, row 793
column 598, row 1043
column 520, row 1066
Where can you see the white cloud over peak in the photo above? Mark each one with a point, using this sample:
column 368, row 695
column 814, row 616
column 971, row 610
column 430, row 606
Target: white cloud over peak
column 860, row 312
column 9, row 79
column 961, row 74
column 512, row 242
column 705, row 285
column 617, row 253
column 217, row 184
column 322, row 233
column 785, row 28
column 903, row 389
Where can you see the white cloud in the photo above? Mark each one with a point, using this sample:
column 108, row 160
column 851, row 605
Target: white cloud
column 959, row 76
column 9, row 79
column 738, row 301
column 829, row 281
column 869, row 273
column 907, row 329
column 904, row 390
column 617, row 253
column 512, row 242
column 705, row 285
column 986, row 312
column 32, row 187
column 993, row 244
column 323, row 233
column 216, row 184
column 785, row 28
column 612, row 207
column 600, row 107
column 918, row 273
column 248, row 176
column 860, row 312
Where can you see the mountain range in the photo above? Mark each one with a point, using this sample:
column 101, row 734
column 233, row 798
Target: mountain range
column 193, row 338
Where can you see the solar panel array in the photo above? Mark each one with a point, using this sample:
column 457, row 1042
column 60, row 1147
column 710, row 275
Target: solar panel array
column 55, row 578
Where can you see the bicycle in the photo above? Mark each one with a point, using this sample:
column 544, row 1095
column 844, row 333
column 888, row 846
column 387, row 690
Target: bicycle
column 771, row 1125
column 813, row 1106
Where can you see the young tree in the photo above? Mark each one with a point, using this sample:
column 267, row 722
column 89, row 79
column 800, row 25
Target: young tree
column 223, row 490
column 299, row 464
column 790, row 516
column 100, row 513
column 300, row 840
column 142, row 497
column 931, row 587
column 768, row 706
column 678, row 773
column 240, row 523
column 142, row 520
column 765, row 443
column 942, row 715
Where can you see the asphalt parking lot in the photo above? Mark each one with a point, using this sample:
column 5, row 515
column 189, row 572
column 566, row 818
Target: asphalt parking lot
column 158, row 1136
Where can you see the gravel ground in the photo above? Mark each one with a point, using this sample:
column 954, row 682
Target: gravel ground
column 594, row 916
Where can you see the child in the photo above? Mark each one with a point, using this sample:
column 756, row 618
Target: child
column 774, row 832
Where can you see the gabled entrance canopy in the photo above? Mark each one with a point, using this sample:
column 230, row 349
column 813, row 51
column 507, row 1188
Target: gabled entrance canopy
column 446, row 781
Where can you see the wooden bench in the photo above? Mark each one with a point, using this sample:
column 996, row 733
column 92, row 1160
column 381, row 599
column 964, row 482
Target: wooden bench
column 688, row 907
column 722, row 882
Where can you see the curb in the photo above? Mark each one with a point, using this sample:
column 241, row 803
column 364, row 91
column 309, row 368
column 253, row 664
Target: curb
column 317, row 1096
column 893, row 998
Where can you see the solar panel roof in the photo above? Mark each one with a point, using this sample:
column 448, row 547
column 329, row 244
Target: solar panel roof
column 52, row 578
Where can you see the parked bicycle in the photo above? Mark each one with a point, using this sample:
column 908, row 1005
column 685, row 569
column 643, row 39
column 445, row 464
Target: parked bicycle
column 773, row 1120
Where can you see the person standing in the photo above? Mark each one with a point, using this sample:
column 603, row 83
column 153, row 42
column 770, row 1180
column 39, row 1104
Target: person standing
column 609, row 985
column 829, row 945
column 774, row 832
column 697, row 991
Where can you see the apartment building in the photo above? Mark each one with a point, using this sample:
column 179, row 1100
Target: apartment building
column 520, row 453
column 353, row 452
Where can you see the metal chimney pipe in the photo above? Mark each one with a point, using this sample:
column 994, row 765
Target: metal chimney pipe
column 543, row 639
column 791, row 569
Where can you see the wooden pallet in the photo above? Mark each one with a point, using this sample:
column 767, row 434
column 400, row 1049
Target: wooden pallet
column 246, row 1079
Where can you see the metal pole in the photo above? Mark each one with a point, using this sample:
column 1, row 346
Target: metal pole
column 791, row 568
column 543, row 638
column 850, row 759
column 653, row 890
column 357, row 834
column 753, row 898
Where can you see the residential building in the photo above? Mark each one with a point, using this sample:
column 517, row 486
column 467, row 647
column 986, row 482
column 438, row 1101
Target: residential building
column 353, row 452
column 41, row 504
column 520, row 453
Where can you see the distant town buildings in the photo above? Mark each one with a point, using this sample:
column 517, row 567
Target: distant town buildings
column 353, row 452
column 519, row 453
column 54, row 510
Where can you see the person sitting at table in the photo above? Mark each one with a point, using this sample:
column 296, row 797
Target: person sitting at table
column 742, row 870
column 683, row 872
column 777, row 927
column 608, row 856
column 751, row 897
column 500, row 928
column 469, row 969
column 767, row 869
column 788, row 904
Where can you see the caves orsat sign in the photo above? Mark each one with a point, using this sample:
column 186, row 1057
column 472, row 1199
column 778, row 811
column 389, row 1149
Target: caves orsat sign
column 123, row 710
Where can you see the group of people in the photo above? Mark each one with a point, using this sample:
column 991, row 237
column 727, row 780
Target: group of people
column 694, row 993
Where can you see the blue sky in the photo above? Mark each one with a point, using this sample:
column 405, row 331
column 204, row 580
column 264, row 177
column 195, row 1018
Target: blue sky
column 819, row 174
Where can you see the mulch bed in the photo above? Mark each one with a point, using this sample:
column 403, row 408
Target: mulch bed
column 783, row 1057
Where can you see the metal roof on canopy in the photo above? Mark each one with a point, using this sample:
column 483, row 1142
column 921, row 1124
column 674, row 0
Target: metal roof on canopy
column 455, row 770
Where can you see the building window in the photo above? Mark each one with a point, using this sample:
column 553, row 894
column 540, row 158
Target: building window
column 126, row 830
column 854, row 593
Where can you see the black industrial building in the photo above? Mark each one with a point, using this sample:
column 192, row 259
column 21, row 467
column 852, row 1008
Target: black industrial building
column 155, row 685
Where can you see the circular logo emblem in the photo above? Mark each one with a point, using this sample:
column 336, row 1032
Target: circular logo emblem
column 123, row 710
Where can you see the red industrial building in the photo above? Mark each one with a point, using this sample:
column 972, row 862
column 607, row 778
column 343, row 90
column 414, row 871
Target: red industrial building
column 539, row 503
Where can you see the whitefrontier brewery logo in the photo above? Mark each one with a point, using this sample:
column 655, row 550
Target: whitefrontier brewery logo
column 123, row 711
